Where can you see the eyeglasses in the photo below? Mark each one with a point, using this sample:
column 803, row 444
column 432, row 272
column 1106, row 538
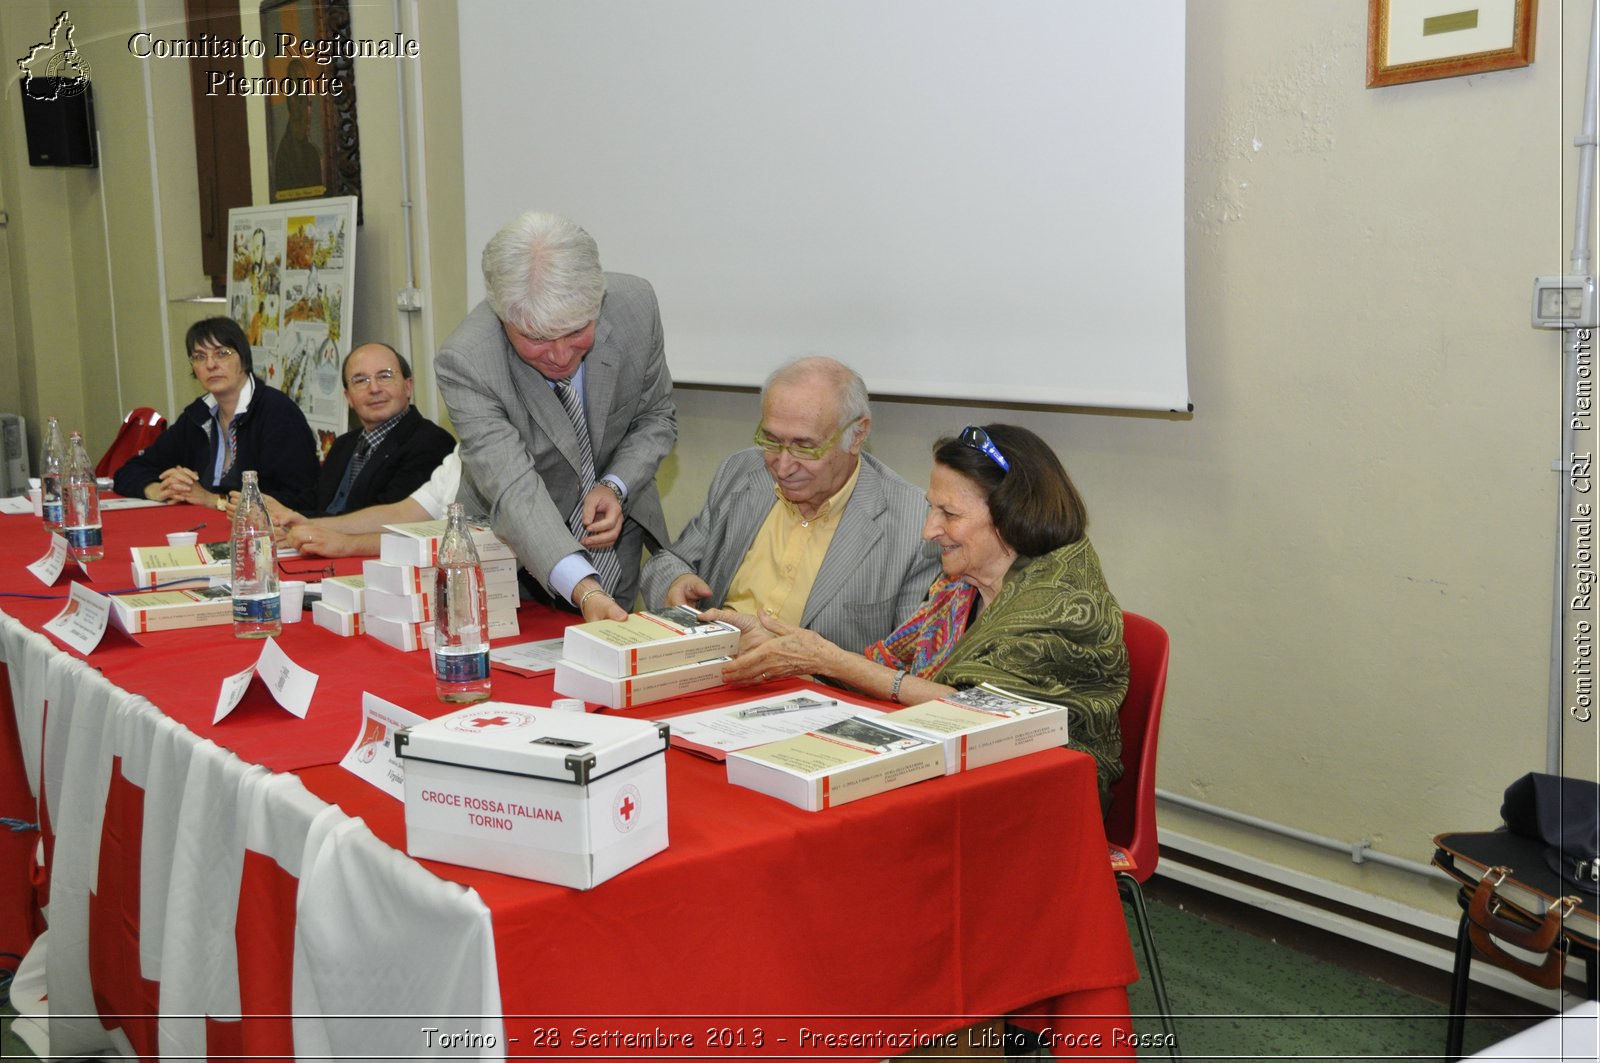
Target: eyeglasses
column 976, row 438
column 219, row 354
column 382, row 376
column 773, row 446
column 320, row 571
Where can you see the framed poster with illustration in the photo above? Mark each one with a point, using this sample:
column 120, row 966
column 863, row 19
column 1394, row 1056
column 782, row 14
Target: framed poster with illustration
column 313, row 143
column 292, row 269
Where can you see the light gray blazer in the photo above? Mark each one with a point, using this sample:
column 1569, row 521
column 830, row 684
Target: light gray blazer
column 519, row 454
column 876, row 572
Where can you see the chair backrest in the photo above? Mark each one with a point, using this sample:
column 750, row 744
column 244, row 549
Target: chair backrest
column 139, row 429
column 1132, row 820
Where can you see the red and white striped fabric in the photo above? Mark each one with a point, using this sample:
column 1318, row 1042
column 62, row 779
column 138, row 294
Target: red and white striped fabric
column 181, row 918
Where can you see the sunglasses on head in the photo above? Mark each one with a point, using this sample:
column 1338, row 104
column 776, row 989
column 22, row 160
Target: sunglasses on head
column 976, row 438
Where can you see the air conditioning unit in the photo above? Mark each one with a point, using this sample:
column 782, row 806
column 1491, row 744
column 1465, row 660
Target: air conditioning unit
column 13, row 455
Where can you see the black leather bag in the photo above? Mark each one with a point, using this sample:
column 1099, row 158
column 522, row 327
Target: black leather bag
column 1564, row 814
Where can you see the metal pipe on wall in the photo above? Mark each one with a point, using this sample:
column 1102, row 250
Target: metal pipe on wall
column 1360, row 852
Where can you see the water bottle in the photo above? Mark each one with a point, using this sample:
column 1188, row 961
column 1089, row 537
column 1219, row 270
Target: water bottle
column 460, row 617
column 50, row 477
column 80, row 510
column 255, row 566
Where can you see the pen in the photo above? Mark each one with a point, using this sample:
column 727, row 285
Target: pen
column 782, row 707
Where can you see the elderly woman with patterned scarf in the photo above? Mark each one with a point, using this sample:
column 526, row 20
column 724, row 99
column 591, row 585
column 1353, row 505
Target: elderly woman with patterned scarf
column 1022, row 603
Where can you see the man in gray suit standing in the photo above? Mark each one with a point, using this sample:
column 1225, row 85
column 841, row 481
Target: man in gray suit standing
column 839, row 549
column 557, row 386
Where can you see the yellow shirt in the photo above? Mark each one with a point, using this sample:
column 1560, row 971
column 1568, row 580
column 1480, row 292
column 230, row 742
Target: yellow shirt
column 782, row 563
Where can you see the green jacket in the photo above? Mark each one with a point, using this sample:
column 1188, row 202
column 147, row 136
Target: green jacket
column 1054, row 632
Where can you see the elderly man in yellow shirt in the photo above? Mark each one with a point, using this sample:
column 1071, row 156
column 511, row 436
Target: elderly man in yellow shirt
column 804, row 527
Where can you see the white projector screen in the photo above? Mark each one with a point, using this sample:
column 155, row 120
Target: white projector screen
column 981, row 201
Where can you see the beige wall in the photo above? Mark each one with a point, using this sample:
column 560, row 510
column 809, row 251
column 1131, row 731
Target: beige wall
column 1351, row 539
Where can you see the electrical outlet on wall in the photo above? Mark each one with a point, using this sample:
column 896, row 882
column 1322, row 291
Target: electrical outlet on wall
column 1564, row 302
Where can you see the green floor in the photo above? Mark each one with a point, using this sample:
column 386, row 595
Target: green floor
column 1243, row 996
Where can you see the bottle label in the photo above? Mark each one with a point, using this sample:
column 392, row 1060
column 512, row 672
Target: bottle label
column 52, row 511
column 81, row 538
column 262, row 610
column 460, row 667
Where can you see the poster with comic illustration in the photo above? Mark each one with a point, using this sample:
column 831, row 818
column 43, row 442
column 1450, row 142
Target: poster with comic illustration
column 293, row 269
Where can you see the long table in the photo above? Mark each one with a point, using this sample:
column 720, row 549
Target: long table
column 228, row 889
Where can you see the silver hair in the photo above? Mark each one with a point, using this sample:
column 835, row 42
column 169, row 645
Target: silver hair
column 848, row 387
column 543, row 276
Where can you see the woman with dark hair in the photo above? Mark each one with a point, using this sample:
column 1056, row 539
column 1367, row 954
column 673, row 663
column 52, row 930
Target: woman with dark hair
column 239, row 423
column 1022, row 602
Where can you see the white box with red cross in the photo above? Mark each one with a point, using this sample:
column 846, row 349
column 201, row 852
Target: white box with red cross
column 569, row 798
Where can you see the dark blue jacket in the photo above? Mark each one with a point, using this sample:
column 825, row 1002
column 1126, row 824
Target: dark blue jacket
column 273, row 439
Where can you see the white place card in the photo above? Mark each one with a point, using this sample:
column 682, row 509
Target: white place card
column 372, row 756
column 233, row 688
column 48, row 568
column 82, row 622
column 290, row 685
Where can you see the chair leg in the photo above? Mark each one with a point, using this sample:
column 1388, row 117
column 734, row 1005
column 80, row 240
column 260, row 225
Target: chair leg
column 1128, row 886
column 1457, row 1023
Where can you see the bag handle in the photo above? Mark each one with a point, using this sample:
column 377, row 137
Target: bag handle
column 1485, row 920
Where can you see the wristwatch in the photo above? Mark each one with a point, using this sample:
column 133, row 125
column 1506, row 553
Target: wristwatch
column 222, row 504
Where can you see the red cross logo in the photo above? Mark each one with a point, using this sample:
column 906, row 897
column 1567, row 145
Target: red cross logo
column 491, row 721
column 623, row 806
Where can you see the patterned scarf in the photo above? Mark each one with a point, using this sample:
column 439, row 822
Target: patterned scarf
column 923, row 643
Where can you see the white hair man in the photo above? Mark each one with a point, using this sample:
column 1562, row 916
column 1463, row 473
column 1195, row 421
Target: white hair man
column 557, row 384
column 804, row 526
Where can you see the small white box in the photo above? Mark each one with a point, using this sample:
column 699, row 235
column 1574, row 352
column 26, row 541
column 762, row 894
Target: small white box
column 648, row 641
column 498, row 576
column 619, row 692
column 339, row 621
column 561, row 797
column 401, row 634
column 344, row 592
column 416, row 607
column 418, row 544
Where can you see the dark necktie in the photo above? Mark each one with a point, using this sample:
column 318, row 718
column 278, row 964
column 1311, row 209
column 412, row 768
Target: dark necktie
column 606, row 566
column 351, row 471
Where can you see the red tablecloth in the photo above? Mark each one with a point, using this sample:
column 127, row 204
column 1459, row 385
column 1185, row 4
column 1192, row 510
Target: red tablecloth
column 843, row 932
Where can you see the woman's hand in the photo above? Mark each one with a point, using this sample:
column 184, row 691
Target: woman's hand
column 786, row 651
column 177, row 484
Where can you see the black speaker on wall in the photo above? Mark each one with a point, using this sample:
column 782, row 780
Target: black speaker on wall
column 58, row 114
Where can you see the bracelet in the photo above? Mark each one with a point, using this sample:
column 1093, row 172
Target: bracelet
column 587, row 595
column 614, row 489
column 894, row 691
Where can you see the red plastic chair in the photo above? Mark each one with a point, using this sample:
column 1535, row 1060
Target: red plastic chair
column 1131, row 824
column 139, row 429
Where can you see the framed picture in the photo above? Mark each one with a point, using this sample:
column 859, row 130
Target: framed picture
column 313, row 144
column 1418, row 40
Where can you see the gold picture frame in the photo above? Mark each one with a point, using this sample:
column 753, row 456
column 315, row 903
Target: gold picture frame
column 313, row 143
column 1419, row 40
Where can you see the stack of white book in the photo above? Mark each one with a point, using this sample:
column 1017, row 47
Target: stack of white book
column 339, row 608
column 648, row 657
column 397, row 593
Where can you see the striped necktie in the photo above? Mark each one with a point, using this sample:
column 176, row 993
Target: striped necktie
column 607, row 568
